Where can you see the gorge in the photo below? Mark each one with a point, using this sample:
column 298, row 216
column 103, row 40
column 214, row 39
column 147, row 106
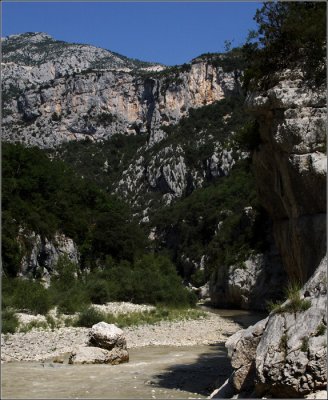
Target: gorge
column 133, row 181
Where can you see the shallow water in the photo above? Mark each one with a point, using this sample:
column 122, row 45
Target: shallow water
column 152, row 372
column 163, row 372
column 242, row 317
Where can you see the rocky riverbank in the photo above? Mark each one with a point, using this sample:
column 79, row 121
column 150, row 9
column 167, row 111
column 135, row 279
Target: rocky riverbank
column 40, row 344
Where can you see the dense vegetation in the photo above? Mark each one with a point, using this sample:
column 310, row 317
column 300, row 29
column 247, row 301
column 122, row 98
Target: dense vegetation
column 289, row 35
column 212, row 221
column 150, row 279
column 45, row 197
column 104, row 162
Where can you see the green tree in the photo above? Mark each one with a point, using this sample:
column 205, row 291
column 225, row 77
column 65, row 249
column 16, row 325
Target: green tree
column 289, row 35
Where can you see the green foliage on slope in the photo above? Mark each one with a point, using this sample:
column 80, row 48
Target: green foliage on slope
column 212, row 222
column 47, row 196
column 104, row 162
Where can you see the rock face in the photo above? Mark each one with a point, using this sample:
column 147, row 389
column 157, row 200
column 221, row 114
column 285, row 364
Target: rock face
column 285, row 354
column 290, row 168
column 41, row 254
column 251, row 285
column 93, row 94
column 107, row 345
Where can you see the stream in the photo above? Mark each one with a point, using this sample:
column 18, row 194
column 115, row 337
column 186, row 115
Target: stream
column 162, row 372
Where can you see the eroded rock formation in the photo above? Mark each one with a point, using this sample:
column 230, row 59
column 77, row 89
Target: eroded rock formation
column 285, row 355
column 290, row 168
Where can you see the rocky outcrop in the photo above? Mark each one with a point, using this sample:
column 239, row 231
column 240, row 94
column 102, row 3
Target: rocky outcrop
column 41, row 254
column 284, row 355
column 79, row 102
column 36, row 58
column 249, row 285
column 290, row 167
column 254, row 282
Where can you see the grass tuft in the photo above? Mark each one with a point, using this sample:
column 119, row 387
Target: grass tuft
column 92, row 316
column 295, row 302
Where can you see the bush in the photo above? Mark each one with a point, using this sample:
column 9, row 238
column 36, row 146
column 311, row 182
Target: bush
column 305, row 344
column 9, row 321
column 248, row 137
column 198, row 278
column 151, row 280
column 98, row 291
column 321, row 329
column 72, row 300
column 26, row 295
column 89, row 317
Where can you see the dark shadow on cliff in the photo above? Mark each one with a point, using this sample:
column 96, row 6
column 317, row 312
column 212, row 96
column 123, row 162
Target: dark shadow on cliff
column 208, row 372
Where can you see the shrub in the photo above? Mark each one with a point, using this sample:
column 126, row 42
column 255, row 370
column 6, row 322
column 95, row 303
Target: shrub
column 72, row 301
column 51, row 322
column 321, row 329
column 26, row 295
column 89, row 317
column 248, row 137
column 92, row 316
column 9, row 321
column 198, row 278
column 98, row 291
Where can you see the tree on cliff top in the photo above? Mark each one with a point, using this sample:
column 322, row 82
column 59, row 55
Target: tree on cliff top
column 289, row 35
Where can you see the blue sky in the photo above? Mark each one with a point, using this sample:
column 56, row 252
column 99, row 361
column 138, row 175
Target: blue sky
column 166, row 32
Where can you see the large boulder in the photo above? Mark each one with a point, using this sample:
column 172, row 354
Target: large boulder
column 285, row 355
column 107, row 336
column 96, row 355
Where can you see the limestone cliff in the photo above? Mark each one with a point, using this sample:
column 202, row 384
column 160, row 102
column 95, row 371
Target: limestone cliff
column 285, row 354
column 41, row 254
column 56, row 92
column 290, row 168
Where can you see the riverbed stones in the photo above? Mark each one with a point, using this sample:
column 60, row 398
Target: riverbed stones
column 107, row 336
column 42, row 345
column 96, row 355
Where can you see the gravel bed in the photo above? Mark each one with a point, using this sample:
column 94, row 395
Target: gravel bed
column 41, row 345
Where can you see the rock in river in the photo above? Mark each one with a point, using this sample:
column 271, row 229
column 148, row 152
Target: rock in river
column 107, row 336
column 96, row 355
